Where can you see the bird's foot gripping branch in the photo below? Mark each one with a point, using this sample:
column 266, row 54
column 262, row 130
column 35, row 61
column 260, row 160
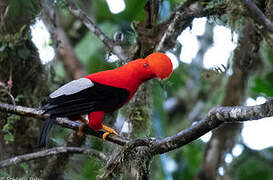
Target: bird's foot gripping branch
column 154, row 146
column 103, row 92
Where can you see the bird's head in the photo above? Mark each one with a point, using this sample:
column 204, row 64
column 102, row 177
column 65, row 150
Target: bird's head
column 160, row 64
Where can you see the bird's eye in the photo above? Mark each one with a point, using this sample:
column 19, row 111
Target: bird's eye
column 145, row 65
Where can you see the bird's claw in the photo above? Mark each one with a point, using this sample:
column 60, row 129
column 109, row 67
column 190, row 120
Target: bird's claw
column 108, row 131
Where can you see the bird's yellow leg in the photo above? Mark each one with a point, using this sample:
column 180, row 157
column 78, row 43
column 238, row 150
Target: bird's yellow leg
column 108, row 131
column 84, row 123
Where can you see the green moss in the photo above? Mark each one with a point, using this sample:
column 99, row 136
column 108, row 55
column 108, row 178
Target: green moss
column 139, row 111
column 233, row 16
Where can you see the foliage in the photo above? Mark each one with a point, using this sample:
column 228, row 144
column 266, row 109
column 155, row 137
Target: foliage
column 183, row 87
column 251, row 164
column 263, row 85
column 8, row 127
column 189, row 158
column 25, row 167
column 17, row 8
column 14, row 45
column 90, row 168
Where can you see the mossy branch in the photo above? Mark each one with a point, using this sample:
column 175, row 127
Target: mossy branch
column 215, row 117
column 64, row 122
column 50, row 152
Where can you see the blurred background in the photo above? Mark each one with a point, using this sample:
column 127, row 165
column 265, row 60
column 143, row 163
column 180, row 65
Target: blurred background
column 217, row 60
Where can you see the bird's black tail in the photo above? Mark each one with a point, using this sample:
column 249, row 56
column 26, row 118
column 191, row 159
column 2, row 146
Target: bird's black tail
column 46, row 131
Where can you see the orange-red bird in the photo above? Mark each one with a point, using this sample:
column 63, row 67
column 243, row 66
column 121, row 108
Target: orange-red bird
column 103, row 92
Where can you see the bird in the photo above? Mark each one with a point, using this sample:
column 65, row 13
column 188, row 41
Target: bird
column 102, row 92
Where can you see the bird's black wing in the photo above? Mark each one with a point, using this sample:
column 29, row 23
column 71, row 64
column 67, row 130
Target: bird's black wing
column 80, row 97
column 77, row 99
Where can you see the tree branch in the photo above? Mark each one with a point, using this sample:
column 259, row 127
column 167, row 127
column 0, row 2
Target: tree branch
column 215, row 117
column 257, row 15
column 246, row 60
column 64, row 122
column 181, row 19
column 50, row 152
column 128, row 153
column 90, row 24
column 62, row 45
column 55, row 166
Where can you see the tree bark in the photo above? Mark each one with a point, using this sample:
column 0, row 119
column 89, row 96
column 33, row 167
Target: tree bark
column 23, row 74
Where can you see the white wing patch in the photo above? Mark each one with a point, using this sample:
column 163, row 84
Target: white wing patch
column 72, row 87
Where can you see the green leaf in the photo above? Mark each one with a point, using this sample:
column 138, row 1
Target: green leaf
column 18, row 97
column 90, row 170
column 8, row 138
column 263, row 87
column 22, row 29
column 25, row 167
column 6, row 128
column 12, row 118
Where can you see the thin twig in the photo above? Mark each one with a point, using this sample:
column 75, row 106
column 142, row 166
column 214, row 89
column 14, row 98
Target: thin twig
column 174, row 21
column 50, row 152
column 257, row 15
column 90, row 24
column 64, row 122
column 3, row 17
column 6, row 89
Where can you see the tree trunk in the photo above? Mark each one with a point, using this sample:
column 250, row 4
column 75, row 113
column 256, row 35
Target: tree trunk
column 23, row 77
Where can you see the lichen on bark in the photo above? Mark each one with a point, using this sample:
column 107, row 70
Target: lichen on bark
column 139, row 111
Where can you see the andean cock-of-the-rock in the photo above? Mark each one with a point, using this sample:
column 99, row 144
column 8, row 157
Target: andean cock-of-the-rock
column 102, row 92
